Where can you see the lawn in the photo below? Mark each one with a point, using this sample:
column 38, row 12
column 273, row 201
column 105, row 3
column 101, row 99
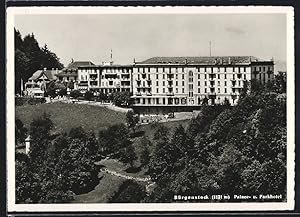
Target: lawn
column 66, row 116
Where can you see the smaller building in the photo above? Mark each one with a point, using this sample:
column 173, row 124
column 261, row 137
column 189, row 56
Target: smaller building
column 37, row 83
column 106, row 78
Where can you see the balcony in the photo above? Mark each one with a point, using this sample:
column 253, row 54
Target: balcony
column 212, row 93
column 149, row 94
column 138, row 94
column 170, row 93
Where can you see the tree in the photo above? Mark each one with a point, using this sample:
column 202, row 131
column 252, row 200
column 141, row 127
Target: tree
column 75, row 94
column 20, row 132
column 39, row 132
column 62, row 92
column 128, row 155
column 145, row 156
column 102, row 97
column 51, row 90
column 129, row 192
column 121, row 98
column 132, row 120
column 49, row 59
column 113, row 139
column 88, row 95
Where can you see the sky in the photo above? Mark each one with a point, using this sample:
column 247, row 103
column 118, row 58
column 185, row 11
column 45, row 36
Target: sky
column 141, row 36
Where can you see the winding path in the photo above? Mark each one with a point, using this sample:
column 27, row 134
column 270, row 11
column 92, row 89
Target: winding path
column 138, row 179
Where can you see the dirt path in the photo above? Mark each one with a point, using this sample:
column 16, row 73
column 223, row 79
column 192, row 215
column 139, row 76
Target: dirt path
column 138, row 179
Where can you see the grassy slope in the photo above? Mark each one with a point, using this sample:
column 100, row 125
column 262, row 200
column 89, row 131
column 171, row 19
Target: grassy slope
column 65, row 116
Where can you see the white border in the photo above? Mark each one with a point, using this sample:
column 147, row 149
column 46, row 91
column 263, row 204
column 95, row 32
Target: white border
column 265, row 206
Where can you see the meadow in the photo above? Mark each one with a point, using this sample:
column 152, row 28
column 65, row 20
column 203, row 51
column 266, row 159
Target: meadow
column 66, row 116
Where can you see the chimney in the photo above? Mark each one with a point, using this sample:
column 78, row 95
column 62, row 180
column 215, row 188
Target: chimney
column 45, row 69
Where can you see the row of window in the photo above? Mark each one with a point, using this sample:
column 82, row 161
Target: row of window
column 206, row 90
column 143, row 76
column 177, row 69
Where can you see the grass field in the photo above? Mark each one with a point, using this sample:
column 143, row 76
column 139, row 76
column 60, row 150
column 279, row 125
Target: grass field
column 66, row 116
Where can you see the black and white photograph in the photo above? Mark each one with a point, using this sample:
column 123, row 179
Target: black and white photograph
column 150, row 108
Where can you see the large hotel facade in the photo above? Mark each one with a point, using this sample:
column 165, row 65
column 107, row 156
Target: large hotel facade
column 161, row 84
column 181, row 82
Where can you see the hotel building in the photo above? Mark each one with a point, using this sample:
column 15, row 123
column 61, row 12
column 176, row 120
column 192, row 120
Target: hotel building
column 163, row 84
column 106, row 78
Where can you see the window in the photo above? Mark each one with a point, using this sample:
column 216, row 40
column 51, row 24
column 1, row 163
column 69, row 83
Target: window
column 163, row 69
column 218, row 83
column 144, row 101
column 183, row 76
column 244, row 76
column 218, row 76
column 163, row 76
column 149, row 101
column 190, row 73
column 225, row 83
column 225, row 69
column 182, row 83
column 176, row 90
column 163, row 83
column 182, row 90
column 163, row 90
column 218, row 90
column 244, row 69
column 205, row 83
column 225, row 76
column 164, row 101
column 205, row 91
column 191, row 86
column 225, row 90
column 149, row 69
column 157, row 101
column 205, row 76
column 156, row 76
column 182, row 69
column 233, row 69
column 176, row 83
column 204, row 69
column 156, row 90
column 198, row 83
column 198, row 90
column 156, row 69
column 191, row 79
column 198, row 69
column 156, row 83
column 198, row 76
column 176, row 76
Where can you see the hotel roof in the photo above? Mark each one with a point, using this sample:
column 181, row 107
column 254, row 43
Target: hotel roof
column 213, row 60
column 50, row 74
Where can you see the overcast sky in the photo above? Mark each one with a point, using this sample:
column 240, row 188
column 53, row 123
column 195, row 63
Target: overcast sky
column 91, row 37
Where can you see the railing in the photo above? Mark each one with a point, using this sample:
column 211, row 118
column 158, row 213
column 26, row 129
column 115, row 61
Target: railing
column 170, row 93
